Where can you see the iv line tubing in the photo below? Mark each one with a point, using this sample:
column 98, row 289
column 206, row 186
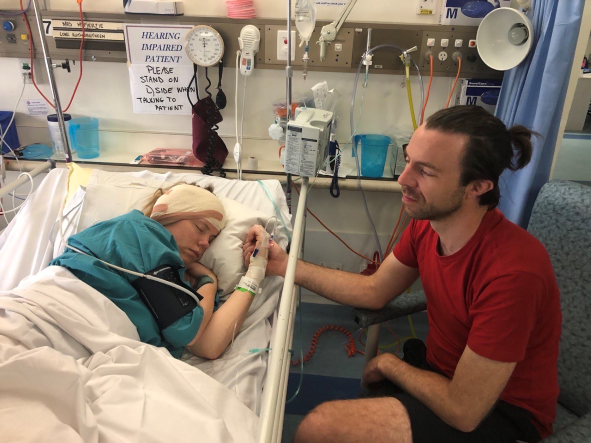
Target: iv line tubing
column 238, row 163
column 352, row 122
column 412, row 107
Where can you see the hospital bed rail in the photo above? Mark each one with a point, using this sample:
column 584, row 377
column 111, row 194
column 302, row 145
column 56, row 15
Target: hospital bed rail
column 24, row 178
column 275, row 391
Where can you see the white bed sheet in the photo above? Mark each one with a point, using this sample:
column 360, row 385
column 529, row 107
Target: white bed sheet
column 27, row 246
column 72, row 369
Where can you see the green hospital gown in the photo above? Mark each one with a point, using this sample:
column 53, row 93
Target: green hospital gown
column 138, row 243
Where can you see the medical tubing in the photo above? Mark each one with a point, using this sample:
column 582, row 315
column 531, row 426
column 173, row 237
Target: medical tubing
column 335, row 191
column 79, row 57
column 138, row 274
column 293, row 397
column 391, row 241
column 455, row 82
column 276, row 209
column 193, row 79
column 242, row 122
column 352, row 123
column 31, row 56
column 9, row 14
column 421, row 87
column 339, row 238
column 352, row 116
column 23, row 203
column 208, row 82
column 239, row 162
column 350, row 347
column 301, row 359
column 70, row 221
column 410, row 103
column 422, row 119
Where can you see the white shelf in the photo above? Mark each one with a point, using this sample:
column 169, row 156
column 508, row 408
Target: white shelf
column 119, row 149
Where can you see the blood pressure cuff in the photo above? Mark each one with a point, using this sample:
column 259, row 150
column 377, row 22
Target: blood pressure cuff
column 167, row 304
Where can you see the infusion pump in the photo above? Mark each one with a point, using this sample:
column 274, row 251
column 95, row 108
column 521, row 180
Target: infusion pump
column 306, row 146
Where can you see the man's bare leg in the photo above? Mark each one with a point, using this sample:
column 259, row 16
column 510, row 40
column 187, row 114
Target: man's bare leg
column 373, row 420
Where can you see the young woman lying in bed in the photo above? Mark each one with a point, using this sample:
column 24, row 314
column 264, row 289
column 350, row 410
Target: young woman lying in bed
column 167, row 241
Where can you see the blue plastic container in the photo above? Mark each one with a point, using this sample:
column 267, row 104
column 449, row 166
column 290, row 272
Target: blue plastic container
column 11, row 137
column 37, row 150
column 84, row 136
column 374, row 149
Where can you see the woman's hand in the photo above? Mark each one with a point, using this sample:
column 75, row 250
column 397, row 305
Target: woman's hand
column 195, row 271
column 277, row 259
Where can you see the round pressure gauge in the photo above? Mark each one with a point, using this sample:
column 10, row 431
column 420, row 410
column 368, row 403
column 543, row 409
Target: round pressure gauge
column 204, row 46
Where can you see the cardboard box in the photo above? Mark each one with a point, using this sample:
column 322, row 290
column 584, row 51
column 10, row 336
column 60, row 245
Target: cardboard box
column 484, row 93
column 468, row 12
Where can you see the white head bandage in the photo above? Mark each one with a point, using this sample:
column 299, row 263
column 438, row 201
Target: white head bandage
column 189, row 202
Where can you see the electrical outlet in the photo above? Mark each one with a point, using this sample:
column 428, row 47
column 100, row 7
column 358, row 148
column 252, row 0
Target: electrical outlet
column 26, row 73
column 282, row 45
column 337, row 266
column 39, row 71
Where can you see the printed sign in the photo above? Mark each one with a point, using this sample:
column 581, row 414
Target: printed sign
column 157, row 44
column 484, row 93
column 468, row 12
column 77, row 35
column 47, row 26
column 340, row 3
column 36, row 107
column 89, row 26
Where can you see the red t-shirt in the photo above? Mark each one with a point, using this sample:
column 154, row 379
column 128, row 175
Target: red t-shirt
column 497, row 295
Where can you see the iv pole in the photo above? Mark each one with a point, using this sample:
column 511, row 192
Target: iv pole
column 288, row 98
column 54, row 92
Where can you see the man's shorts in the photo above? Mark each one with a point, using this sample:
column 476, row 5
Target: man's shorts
column 506, row 423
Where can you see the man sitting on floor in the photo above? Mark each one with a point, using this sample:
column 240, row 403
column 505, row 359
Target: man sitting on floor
column 488, row 372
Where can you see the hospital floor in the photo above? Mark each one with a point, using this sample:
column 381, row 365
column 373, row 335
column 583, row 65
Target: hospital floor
column 330, row 374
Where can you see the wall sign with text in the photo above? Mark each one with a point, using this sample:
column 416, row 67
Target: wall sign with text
column 159, row 69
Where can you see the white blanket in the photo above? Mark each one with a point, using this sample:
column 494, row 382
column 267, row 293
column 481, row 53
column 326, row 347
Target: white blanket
column 73, row 369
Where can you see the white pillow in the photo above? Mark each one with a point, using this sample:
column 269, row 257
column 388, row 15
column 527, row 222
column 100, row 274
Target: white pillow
column 224, row 256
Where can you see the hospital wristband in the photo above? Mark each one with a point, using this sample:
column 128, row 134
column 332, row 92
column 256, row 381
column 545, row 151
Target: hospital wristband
column 249, row 285
column 237, row 288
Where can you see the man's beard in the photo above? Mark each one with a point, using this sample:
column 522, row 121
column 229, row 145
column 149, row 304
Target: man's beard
column 424, row 211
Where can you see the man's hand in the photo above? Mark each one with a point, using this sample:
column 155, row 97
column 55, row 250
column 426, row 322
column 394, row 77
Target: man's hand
column 277, row 260
column 372, row 373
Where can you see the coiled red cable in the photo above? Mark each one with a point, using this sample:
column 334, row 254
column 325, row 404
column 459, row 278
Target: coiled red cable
column 350, row 346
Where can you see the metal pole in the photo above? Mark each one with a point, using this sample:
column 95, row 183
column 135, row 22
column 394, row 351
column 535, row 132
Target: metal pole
column 5, row 190
column 279, row 345
column 54, row 92
column 288, row 98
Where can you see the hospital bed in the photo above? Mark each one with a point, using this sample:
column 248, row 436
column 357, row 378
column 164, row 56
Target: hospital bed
column 75, row 359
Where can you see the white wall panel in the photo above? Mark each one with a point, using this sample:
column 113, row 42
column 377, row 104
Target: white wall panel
column 380, row 11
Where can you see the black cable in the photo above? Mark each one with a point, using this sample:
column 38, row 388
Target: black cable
column 335, row 191
column 193, row 79
column 208, row 83
column 211, row 163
